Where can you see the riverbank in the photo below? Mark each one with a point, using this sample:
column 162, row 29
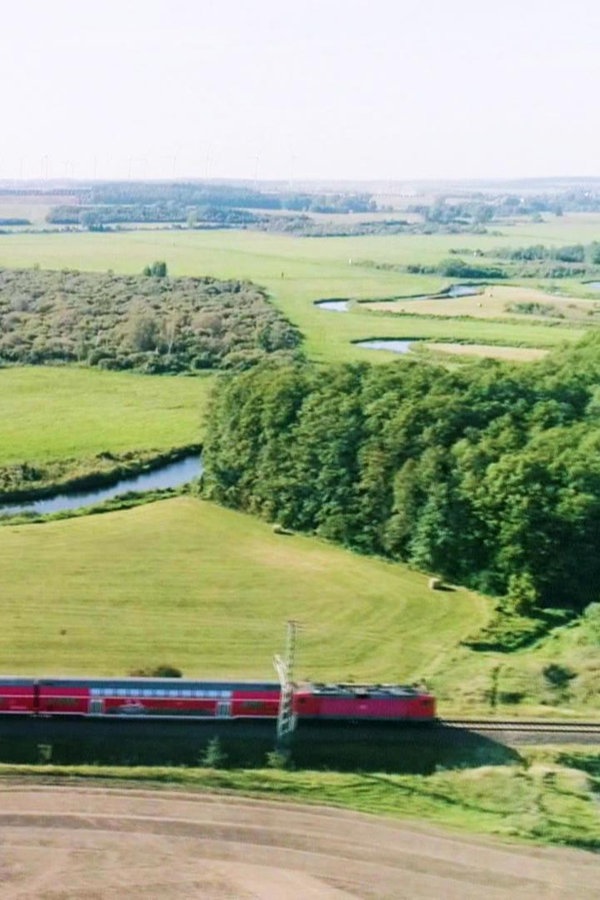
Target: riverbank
column 28, row 482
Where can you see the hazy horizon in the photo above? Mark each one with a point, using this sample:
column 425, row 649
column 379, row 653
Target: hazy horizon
column 328, row 91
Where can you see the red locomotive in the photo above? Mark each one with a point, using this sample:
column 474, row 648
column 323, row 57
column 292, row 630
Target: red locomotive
column 174, row 697
column 376, row 702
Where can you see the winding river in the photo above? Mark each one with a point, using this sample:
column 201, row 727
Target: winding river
column 333, row 305
column 456, row 290
column 171, row 475
column 394, row 345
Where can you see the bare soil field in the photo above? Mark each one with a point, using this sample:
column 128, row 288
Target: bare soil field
column 66, row 843
column 496, row 302
column 490, row 351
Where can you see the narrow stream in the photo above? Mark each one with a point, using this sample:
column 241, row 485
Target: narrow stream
column 171, row 475
column 456, row 290
column 463, row 290
column 333, row 305
column 391, row 344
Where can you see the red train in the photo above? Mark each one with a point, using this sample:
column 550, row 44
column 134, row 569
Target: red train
column 174, row 697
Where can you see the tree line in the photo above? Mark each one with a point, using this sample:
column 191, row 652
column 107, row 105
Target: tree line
column 535, row 261
column 488, row 475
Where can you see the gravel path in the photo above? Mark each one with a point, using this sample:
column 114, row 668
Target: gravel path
column 62, row 843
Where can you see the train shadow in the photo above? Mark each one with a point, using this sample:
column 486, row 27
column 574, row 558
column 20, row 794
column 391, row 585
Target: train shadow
column 378, row 747
column 415, row 749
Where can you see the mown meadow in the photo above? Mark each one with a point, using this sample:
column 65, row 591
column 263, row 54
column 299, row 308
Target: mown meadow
column 209, row 590
column 187, row 583
column 51, row 413
column 298, row 271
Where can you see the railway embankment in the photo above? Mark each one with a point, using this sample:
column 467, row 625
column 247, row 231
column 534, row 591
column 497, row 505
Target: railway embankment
column 377, row 747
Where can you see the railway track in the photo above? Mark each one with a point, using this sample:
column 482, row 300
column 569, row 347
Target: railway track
column 522, row 724
column 520, row 731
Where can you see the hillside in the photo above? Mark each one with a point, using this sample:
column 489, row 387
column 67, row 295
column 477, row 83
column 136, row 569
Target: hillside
column 209, row 590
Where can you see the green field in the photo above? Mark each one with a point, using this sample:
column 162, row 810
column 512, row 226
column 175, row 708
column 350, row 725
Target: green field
column 209, row 590
column 51, row 413
column 299, row 271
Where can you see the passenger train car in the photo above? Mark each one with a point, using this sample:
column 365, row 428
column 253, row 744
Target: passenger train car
column 181, row 698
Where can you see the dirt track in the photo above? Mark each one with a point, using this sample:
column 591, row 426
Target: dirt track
column 60, row 843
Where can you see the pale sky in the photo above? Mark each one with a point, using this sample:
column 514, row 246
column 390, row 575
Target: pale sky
column 299, row 89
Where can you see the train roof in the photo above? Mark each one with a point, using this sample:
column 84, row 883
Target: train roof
column 363, row 690
column 142, row 682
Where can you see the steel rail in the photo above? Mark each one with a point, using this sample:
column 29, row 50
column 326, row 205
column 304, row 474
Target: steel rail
column 522, row 725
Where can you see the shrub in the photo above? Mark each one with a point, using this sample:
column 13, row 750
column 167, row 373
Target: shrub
column 277, row 759
column 213, row 757
column 162, row 671
column 558, row 676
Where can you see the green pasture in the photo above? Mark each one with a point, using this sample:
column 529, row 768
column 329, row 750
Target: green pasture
column 184, row 582
column 53, row 413
column 470, row 330
column 299, row 271
column 209, row 590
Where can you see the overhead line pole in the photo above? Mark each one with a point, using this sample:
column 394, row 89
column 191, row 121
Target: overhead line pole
column 286, row 720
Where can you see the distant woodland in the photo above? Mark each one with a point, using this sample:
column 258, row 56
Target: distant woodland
column 150, row 323
column 314, row 212
column 488, row 475
column 536, row 261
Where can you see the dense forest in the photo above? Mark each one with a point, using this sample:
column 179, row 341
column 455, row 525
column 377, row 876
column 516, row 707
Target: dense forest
column 488, row 475
column 151, row 323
